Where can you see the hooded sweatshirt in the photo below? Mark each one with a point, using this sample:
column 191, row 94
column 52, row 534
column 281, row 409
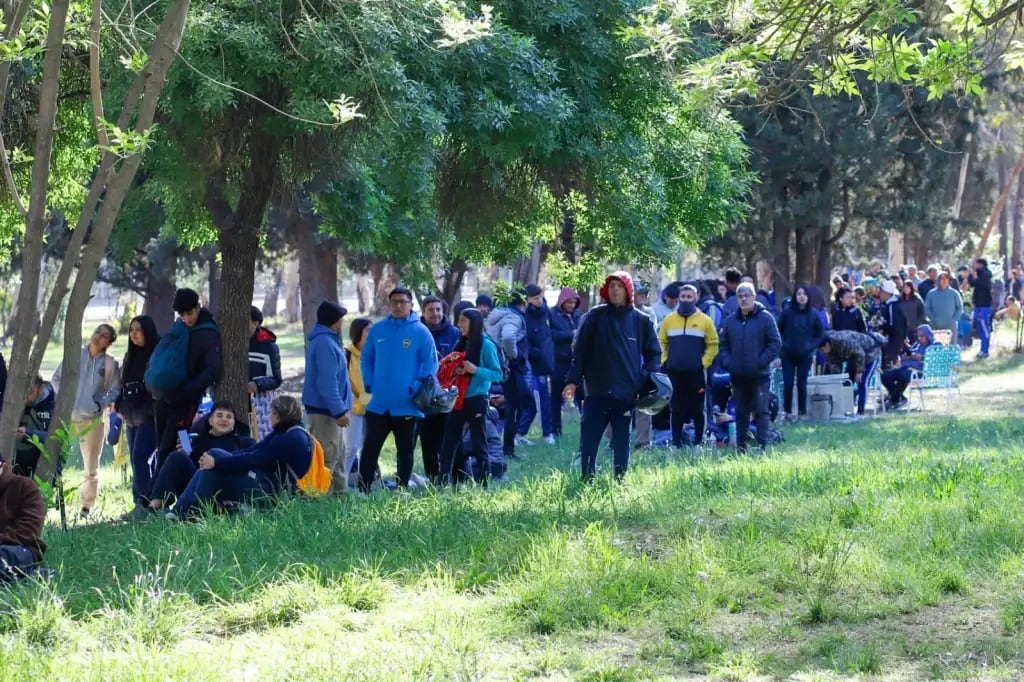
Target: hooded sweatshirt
column 944, row 307
column 325, row 389
column 398, row 355
column 616, row 347
column 564, row 326
column 360, row 397
column 36, row 420
column 22, row 513
column 507, row 328
column 99, row 385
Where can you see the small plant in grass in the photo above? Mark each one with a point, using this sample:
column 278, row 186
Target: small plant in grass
column 35, row 612
column 860, row 658
column 1012, row 615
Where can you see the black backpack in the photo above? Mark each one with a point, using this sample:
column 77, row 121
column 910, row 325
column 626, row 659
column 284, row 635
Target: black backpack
column 502, row 362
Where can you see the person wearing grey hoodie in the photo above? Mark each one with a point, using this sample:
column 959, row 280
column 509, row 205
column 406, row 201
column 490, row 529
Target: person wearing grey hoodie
column 507, row 327
column 98, row 386
column 944, row 306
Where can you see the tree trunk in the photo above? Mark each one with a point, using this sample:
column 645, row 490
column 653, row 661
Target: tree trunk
column 782, row 275
column 215, row 286
column 159, row 298
column 318, row 262
column 1018, row 225
column 239, row 236
column 291, row 291
column 20, row 370
column 451, row 285
column 823, row 266
column 270, row 294
column 385, row 279
column 805, row 254
column 364, row 292
column 163, row 52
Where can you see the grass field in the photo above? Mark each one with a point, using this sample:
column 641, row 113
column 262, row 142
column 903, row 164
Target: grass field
column 892, row 548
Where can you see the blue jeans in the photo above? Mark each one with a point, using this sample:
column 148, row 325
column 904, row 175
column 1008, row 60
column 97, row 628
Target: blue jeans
column 983, row 323
column 218, row 487
column 15, row 562
column 598, row 413
column 141, row 446
column 543, row 388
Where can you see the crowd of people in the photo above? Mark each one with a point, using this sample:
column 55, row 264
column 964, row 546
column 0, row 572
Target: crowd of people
column 716, row 343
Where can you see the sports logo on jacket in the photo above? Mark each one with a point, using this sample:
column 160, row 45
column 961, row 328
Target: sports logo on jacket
column 406, row 343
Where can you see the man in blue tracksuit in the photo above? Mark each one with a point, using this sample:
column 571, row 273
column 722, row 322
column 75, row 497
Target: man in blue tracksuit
column 326, row 393
column 616, row 349
column 749, row 343
column 398, row 354
column 431, row 428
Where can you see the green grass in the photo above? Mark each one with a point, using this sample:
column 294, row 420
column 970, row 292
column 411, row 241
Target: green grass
column 892, row 547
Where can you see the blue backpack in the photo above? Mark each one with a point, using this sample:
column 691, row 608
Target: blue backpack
column 168, row 365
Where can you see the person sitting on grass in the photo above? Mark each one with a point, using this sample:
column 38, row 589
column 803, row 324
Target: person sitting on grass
column 1011, row 311
column 22, row 513
column 220, row 429
column 257, row 473
column 897, row 379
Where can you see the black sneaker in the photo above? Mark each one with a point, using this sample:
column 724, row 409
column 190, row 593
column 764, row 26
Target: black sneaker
column 84, row 514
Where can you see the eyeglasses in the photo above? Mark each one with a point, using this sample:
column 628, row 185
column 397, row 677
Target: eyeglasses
column 400, row 301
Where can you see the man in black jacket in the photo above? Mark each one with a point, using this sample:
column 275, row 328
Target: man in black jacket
column 35, row 422
column 565, row 319
column 176, row 410
column 542, row 363
column 748, row 345
column 616, row 349
column 981, row 296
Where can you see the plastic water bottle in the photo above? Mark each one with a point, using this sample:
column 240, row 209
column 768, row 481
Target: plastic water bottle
column 732, row 433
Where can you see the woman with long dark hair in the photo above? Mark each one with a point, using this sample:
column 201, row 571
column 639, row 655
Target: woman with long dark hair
column 913, row 309
column 135, row 405
column 480, row 362
column 802, row 331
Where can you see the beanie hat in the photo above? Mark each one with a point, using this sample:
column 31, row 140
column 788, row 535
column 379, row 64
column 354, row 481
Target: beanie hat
column 184, row 300
column 533, row 290
column 329, row 312
column 256, row 315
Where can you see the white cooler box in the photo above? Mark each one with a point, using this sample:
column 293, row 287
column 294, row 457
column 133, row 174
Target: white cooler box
column 839, row 387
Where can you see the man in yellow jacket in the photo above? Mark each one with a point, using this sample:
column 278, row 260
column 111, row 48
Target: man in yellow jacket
column 689, row 344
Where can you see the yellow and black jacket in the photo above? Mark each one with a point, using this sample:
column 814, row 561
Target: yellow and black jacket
column 688, row 344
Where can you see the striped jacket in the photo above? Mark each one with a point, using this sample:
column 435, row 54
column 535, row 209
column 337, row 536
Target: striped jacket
column 688, row 344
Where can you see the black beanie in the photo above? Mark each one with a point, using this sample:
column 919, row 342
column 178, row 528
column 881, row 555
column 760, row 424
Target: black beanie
column 533, row 290
column 185, row 300
column 329, row 312
column 256, row 315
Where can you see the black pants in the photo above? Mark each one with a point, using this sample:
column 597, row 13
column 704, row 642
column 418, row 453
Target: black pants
column 16, row 562
column 171, row 418
column 173, row 478
column 795, row 368
column 453, row 457
column 688, row 389
column 431, row 433
column 557, row 386
column 896, row 381
column 378, row 426
column 600, row 412
column 516, row 392
column 751, row 398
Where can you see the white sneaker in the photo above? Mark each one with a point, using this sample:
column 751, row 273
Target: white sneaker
column 550, row 439
column 524, row 441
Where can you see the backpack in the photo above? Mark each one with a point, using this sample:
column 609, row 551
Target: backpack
column 502, row 362
column 712, row 309
column 168, row 366
column 317, row 479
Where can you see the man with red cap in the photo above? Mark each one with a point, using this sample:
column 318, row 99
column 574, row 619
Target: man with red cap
column 616, row 349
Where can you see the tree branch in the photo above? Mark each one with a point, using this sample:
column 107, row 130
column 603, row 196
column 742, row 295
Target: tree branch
column 95, row 84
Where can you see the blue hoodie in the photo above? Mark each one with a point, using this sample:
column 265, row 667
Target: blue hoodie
column 325, row 389
column 397, row 355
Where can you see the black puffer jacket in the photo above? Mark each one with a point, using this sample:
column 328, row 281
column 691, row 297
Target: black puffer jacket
column 748, row 344
column 204, row 361
column 801, row 331
column 264, row 360
column 848, row 319
column 538, row 336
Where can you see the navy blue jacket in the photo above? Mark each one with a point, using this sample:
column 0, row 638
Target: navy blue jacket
column 848, row 319
column 279, row 460
column 538, row 336
column 801, row 331
column 445, row 337
column 981, row 294
column 563, row 329
column 748, row 344
column 616, row 349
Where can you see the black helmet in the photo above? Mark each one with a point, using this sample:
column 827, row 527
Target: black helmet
column 433, row 399
column 655, row 395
